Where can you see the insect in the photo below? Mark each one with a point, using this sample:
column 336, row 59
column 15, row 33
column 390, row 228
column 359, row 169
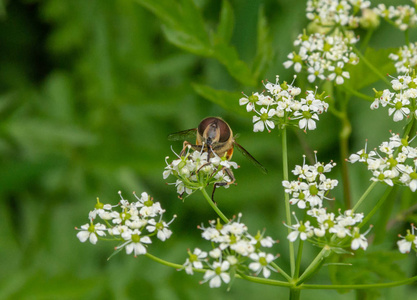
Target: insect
column 213, row 134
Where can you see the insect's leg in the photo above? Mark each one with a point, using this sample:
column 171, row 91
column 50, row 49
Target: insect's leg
column 185, row 145
column 232, row 177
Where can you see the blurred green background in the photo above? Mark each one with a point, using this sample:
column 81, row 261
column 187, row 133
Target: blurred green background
column 89, row 92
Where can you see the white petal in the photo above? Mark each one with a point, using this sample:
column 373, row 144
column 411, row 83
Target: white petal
column 266, row 272
column 83, row 236
column 93, row 238
column 215, row 282
column 225, row 277
column 259, row 126
column 293, row 236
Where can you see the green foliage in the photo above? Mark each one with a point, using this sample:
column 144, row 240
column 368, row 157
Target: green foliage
column 90, row 91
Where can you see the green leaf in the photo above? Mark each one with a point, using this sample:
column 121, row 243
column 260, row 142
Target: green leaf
column 186, row 41
column 361, row 76
column 264, row 50
column 183, row 25
column 227, row 21
column 228, row 100
column 227, row 55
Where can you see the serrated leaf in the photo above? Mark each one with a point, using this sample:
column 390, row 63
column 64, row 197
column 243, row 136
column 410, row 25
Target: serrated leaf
column 227, row 21
column 227, row 100
column 186, row 41
column 264, row 49
column 227, row 55
column 183, row 25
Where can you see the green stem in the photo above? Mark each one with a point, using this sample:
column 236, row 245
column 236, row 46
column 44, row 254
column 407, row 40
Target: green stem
column 351, row 91
column 366, row 39
column 407, row 130
column 287, row 196
column 295, row 293
column 371, row 66
column 407, row 37
column 281, row 271
column 170, row 264
column 214, row 206
column 381, row 201
column 290, row 285
column 314, row 265
column 364, row 195
column 298, row 262
column 344, row 152
column 359, row 286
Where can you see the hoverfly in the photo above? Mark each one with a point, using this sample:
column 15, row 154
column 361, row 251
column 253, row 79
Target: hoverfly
column 213, row 134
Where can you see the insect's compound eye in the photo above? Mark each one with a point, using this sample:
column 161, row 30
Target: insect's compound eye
column 222, row 126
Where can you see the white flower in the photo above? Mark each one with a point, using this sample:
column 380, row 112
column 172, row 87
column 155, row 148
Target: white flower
column 407, row 241
column 243, row 247
column 217, row 274
column 90, row 232
column 261, row 263
column 263, row 120
column 134, row 242
column 302, row 230
column 163, row 232
column 216, row 253
column 194, row 261
column 359, row 240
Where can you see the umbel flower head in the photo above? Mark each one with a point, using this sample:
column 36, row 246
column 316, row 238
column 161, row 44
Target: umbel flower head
column 335, row 12
column 324, row 57
column 321, row 227
column 394, row 162
column 405, row 58
column 196, row 169
column 131, row 224
column 280, row 105
column 312, row 185
column 402, row 16
column 401, row 102
column 234, row 250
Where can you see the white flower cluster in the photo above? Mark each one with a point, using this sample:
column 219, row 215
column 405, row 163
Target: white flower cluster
column 328, row 224
column 406, row 58
column 280, row 106
column 401, row 102
column 408, row 242
column 308, row 192
column 312, row 185
column 402, row 16
column 396, row 164
column 233, row 246
column 324, row 57
column 196, row 170
column 335, row 12
column 132, row 224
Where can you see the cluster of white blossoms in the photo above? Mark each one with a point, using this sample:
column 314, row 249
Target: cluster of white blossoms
column 279, row 106
column 308, row 192
column 195, row 170
column 323, row 56
column 408, row 242
column 405, row 59
column 402, row 16
column 402, row 101
column 394, row 163
column 335, row 12
column 234, row 251
column 312, row 185
column 131, row 224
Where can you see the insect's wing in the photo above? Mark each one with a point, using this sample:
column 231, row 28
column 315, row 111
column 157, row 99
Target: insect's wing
column 189, row 134
column 250, row 157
